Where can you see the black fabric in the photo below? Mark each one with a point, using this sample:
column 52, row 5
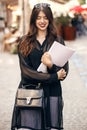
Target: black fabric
column 51, row 114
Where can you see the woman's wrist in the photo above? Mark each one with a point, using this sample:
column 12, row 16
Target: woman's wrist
column 50, row 65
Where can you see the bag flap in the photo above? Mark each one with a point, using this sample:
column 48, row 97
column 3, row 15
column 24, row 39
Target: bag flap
column 33, row 93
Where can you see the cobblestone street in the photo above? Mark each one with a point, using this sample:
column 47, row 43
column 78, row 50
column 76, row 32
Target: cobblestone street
column 74, row 87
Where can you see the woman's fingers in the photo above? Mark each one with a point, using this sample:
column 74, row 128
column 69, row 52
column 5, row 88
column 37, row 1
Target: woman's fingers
column 61, row 74
column 46, row 59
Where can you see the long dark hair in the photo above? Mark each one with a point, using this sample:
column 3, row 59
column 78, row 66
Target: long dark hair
column 27, row 43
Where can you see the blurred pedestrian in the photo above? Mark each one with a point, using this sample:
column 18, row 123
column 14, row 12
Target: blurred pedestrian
column 32, row 50
column 80, row 25
column 74, row 20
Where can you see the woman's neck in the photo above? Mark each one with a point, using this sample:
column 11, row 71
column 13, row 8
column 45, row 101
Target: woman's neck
column 41, row 37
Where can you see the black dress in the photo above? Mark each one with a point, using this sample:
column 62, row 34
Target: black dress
column 51, row 116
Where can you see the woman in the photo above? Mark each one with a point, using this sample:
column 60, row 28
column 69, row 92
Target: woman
column 32, row 51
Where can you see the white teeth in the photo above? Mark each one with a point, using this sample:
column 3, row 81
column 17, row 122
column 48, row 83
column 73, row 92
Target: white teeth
column 42, row 25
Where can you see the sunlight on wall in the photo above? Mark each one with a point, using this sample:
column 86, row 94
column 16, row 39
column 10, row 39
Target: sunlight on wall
column 57, row 8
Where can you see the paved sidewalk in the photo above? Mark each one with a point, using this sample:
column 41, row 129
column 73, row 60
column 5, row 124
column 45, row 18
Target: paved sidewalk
column 74, row 87
column 9, row 79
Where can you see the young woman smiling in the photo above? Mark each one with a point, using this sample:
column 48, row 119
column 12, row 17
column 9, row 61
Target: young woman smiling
column 32, row 50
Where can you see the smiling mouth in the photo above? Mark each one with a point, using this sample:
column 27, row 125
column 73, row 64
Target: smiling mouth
column 42, row 26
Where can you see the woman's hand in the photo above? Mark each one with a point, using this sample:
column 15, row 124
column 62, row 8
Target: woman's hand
column 61, row 74
column 46, row 60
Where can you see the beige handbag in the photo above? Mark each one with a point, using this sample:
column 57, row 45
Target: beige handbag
column 29, row 97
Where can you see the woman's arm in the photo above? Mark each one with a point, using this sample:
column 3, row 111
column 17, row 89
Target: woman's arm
column 31, row 74
column 52, row 67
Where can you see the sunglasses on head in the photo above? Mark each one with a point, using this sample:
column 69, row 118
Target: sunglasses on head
column 41, row 5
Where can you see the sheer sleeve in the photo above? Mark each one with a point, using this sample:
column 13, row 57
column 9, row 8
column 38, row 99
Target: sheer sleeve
column 57, row 68
column 31, row 74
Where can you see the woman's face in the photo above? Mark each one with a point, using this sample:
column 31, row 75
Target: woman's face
column 42, row 21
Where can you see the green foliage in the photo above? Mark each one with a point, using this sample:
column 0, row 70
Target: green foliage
column 82, row 2
column 64, row 20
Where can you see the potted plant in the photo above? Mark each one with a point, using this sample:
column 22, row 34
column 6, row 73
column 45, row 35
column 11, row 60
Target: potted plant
column 65, row 28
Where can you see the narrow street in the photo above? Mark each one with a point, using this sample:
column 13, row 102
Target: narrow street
column 74, row 87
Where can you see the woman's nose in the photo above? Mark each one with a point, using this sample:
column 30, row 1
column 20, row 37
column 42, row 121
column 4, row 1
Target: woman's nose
column 42, row 19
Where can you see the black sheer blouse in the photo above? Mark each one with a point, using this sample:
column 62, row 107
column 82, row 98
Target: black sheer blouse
column 29, row 65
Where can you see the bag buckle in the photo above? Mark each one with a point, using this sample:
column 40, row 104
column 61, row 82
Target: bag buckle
column 38, row 86
column 28, row 100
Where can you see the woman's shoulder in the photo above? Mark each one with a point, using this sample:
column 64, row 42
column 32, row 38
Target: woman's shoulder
column 60, row 40
column 22, row 38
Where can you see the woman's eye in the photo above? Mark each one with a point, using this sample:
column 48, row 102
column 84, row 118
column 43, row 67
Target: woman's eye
column 42, row 17
column 45, row 17
column 38, row 17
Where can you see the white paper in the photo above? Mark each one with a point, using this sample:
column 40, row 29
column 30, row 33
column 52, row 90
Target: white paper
column 60, row 54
